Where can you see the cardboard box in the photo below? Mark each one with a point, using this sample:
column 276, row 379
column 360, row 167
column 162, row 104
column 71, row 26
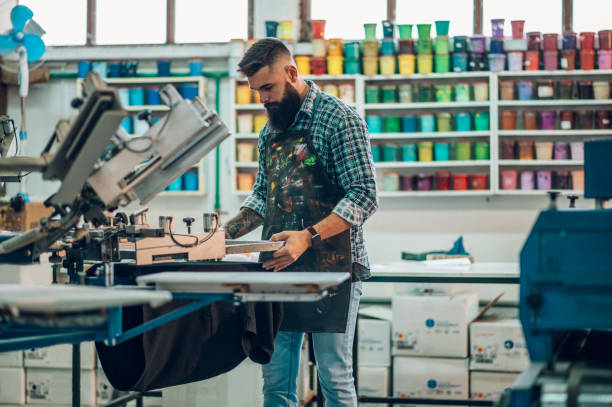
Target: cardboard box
column 498, row 344
column 54, row 386
column 432, row 325
column 374, row 342
column 12, row 385
column 59, row 356
column 11, row 359
column 490, row 385
column 26, row 219
column 434, row 378
column 373, row 382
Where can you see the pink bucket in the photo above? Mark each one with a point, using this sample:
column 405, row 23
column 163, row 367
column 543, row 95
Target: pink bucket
column 605, row 59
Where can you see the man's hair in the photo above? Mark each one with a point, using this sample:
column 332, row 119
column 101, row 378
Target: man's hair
column 264, row 52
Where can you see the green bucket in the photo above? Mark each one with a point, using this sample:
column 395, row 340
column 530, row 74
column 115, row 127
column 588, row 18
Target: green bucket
column 389, row 94
column 391, row 124
column 463, row 150
column 424, row 31
column 370, row 31
column 352, row 50
column 425, row 93
column 352, row 66
column 372, row 94
column 442, row 27
column 442, row 45
column 444, row 93
column 481, row 121
column 481, row 150
column 444, row 121
column 424, row 46
column 442, row 63
column 405, row 31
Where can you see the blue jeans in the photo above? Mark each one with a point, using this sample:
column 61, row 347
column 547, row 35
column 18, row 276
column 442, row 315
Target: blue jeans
column 334, row 356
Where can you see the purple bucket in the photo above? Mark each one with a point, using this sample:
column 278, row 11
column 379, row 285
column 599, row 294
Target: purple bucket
column 527, row 181
column 547, row 120
column 544, row 179
column 478, row 44
column 497, row 27
column 423, row 182
column 561, row 150
column 497, row 62
column 406, row 183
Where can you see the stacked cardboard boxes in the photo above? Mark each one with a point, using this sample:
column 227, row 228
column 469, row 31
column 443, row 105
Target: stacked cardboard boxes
column 12, row 378
column 374, row 352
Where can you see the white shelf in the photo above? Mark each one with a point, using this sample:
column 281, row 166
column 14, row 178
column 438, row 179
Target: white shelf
column 577, row 72
column 555, row 102
column 181, row 193
column 430, row 76
column 424, row 105
column 152, row 80
column 401, row 194
column 245, row 164
column 344, row 77
column 554, row 133
column 246, row 136
column 252, row 106
column 536, row 192
column 531, row 163
column 428, row 135
column 153, row 108
column 433, row 164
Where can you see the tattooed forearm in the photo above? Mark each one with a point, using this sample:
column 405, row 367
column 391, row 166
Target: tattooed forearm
column 246, row 221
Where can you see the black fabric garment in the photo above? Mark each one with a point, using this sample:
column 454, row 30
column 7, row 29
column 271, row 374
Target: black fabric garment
column 197, row 346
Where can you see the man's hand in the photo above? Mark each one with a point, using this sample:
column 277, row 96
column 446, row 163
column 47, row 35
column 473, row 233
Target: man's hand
column 296, row 243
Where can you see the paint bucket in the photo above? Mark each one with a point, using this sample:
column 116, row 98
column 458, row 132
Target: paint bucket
column 319, row 48
column 374, row 124
column 602, row 120
column 442, row 63
column 370, row 31
column 530, row 120
column 136, row 96
column 442, row 179
column 423, row 182
column 462, row 92
column 561, row 179
column 352, row 66
column 387, row 47
column 444, row 121
column 190, row 181
column 409, row 152
column 245, row 181
column 245, row 152
column 441, row 152
column 388, row 29
column 406, row 64
column 509, row 179
column 478, row 44
column 409, row 124
column 390, row 152
column 83, row 68
column 442, row 45
column 128, row 68
column 546, row 89
column 426, row 93
column 506, row 90
column 387, row 65
column 195, row 67
column 497, row 27
column 442, row 27
column 497, row 62
column 114, row 69
column 578, row 180
column 460, row 62
column 335, row 47
column 286, row 30
column 424, row 46
column 335, row 65
column 318, row 66
column 481, row 91
column 425, row 63
column 568, row 59
column 544, row 150
column 601, row 90
column 188, row 91
column 605, row 39
column 515, row 45
column 376, row 153
column 243, row 95
column 534, row 39
column 515, row 61
column 463, row 121
column 424, row 31
column 245, row 123
column 605, row 59
column 163, row 67
column 406, row 47
column 477, row 62
column 508, row 119
column 317, row 28
column 347, row 92
column 532, row 60
column 460, row 182
column 587, row 41
column 152, row 96
column 370, row 66
column 405, row 31
column 479, row 181
column 127, row 125
column 496, row 46
column 543, row 179
column 407, row 182
column 585, row 89
column 271, row 28
column 405, row 93
column 372, row 94
column 561, row 151
column 331, row 89
column 551, row 60
column 547, row 120
column 518, row 27
column 551, row 42
column 391, row 181
column 587, row 59
column 481, row 150
column 370, row 48
column 481, row 121
column 569, row 40
column 584, row 119
column 565, row 87
column 508, row 149
column 577, row 150
column 460, row 43
column 176, row 185
column 525, row 148
column 259, row 121
column 567, row 120
column 124, row 96
column 428, row 123
column 527, row 180
column 444, row 93
column 303, row 64
column 463, row 151
column 389, row 93
column 425, row 151
column 352, row 50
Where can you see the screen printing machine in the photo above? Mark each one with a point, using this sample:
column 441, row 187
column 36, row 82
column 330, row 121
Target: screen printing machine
column 101, row 169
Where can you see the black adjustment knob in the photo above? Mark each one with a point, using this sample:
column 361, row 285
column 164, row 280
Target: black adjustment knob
column 77, row 102
column 188, row 221
column 17, row 203
column 572, row 199
column 534, row 299
column 553, row 195
column 146, row 115
column 120, row 217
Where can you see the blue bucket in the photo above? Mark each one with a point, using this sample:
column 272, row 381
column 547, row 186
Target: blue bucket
column 428, row 123
column 153, row 97
column 124, row 96
column 114, row 70
column 463, row 121
column 127, row 124
column 137, row 96
column 390, row 152
column 176, row 185
column 409, row 124
column 441, row 151
column 374, row 124
column 195, row 67
column 460, row 62
column 387, row 47
column 525, row 90
column 271, row 28
column 83, row 67
column 190, row 181
column 188, row 91
column 376, row 152
column 163, row 67
column 496, row 46
column 409, row 152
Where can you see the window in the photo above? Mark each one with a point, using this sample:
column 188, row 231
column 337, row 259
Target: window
column 592, row 15
column 345, row 18
column 130, row 22
column 539, row 15
column 70, row 29
column 198, row 21
column 460, row 13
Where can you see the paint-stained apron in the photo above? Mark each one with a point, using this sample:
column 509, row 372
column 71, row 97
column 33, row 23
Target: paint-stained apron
column 300, row 194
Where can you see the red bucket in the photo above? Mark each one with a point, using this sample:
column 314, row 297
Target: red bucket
column 587, row 41
column 518, row 27
column 443, row 180
column 605, row 39
column 480, row 181
column 460, row 182
column 551, row 42
column 587, row 59
column 317, row 27
column 318, row 66
column 532, row 60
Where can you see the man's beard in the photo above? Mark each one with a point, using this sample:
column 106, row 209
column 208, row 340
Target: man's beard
column 281, row 114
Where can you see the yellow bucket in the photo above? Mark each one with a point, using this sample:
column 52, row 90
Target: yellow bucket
column 406, row 64
column 303, row 64
column 425, row 63
column 370, row 66
column 286, row 30
column 243, row 94
column 370, row 48
column 335, row 65
column 319, row 48
column 387, row 65
column 259, row 121
column 332, row 90
column 335, row 47
column 426, row 151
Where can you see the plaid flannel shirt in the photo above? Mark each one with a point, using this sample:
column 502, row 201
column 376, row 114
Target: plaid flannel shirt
column 340, row 138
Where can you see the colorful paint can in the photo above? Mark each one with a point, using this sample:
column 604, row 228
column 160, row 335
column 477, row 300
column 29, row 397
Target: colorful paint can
column 259, row 121
column 286, row 30
column 442, row 27
column 389, row 93
column 481, row 91
column 347, row 92
column 442, row 63
column 546, row 89
column 271, row 28
column 425, row 63
column 525, row 149
column 319, row 48
column 391, row 181
column 568, row 59
column 376, row 153
column 496, row 46
column 405, row 93
column 374, row 123
column 424, row 31
column 530, row 121
column 372, row 94
column 508, row 119
column 460, row 43
column 578, row 180
column 406, row 47
column 387, row 65
column 605, row 39
column 463, row 121
column 352, row 50
column 83, row 68
column 405, row 31
column 509, row 179
column 370, row 48
column 587, row 59
column 601, row 90
column 602, row 120
column 163, row 67
column 462, row 92
column 423, row 182
column 370, row 31
column 424, row 46
column 604, row 59
column 331, row 89
column 569, row 40
column 335, row 47
column 508, row 149
column 577, row 150
column 497, row 62
column 244, row 123
column 584, row 119
column 534, row 40
column 544, row 150
column 551, row 60
column 547, row 120
column 444, row 93
column 463, row 151
column 409, row 152
column 444, row 121
column 442, row 179
column 543, row 179
column 561, row 150
column 387, row 47
column 479, row 181
column 409, row 124
column 515, row 61
column 406, row 64
column 390, row 152
column 478, row 44
column 303, row 64
column 425, row 151
column 532, row 60
column 441, row 151
column 506, row 90
column 497, row 27
column 518, row 27
column 407, row 182
column 567, row 120
column 481, row 121
column 317, row 28
column 428, row 123
column 551, row 42
column 370, row 66
column 137, row 96
column 388, row 28
column 460, row 182
column 335, row 65
column 442, row 45
column 460, row 62
column 318, row 66
column 527, row 180
column 561, row 179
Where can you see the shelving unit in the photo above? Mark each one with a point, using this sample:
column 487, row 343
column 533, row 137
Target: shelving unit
column 160, row 110
column 493, row 136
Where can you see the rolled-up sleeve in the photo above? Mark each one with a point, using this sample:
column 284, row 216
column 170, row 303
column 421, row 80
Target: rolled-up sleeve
column 256, row 200
column 350, row 148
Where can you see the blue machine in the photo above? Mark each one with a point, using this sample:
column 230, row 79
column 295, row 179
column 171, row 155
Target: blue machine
column 566, row 299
